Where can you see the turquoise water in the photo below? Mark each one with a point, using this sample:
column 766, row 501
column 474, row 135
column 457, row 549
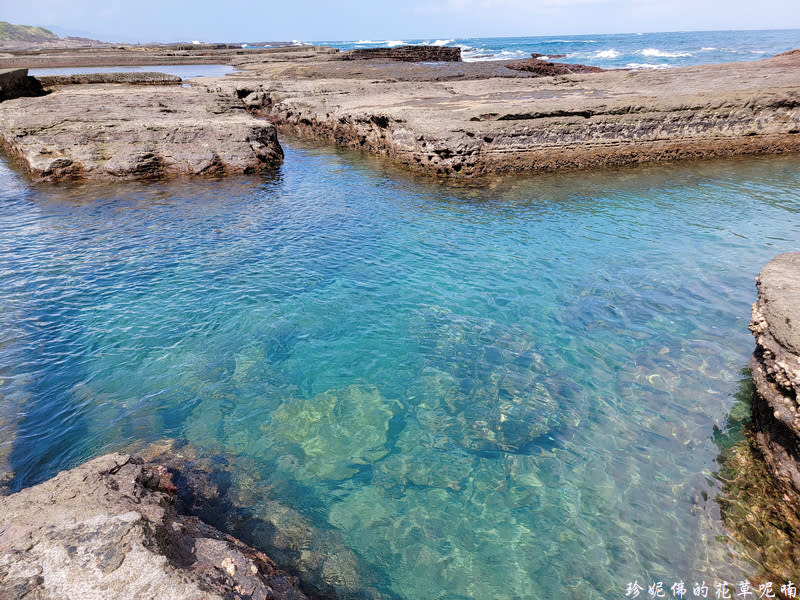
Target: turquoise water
column 506, row 391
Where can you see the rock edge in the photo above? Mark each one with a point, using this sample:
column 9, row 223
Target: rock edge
column 775, row 367
column 109, row 528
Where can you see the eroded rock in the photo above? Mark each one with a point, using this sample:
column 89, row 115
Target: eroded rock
column 775, row 367
column 125, row 132
column 109, row 528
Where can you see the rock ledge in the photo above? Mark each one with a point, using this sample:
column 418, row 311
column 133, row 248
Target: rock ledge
column 775, row 367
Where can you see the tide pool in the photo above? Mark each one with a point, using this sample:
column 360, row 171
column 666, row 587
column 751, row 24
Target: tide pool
column 500, row 391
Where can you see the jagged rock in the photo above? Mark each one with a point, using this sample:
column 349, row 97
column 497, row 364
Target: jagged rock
column 109, row 529
column 405, row 54
column 124, row 132
column 775, row 367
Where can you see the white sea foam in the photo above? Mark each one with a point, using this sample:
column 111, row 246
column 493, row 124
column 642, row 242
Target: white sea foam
column 441, row 42
column 639, row 66
column 366, row 42
column 707, row 48
column 606, row 53
column 393, row 43
column 661, row 53
column 484, row 54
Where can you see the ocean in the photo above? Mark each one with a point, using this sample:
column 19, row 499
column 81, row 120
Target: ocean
column 518, row 389
column 615, row 51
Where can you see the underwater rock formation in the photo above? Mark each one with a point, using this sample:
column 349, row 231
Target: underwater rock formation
column 775, row 367
column 492, row 389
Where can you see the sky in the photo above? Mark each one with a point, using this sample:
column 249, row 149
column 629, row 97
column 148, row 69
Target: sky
column 317, row 20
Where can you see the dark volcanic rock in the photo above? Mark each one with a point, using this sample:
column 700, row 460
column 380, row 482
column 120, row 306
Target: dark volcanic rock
column 405, row 54
column 545, row 68
column 15, row 83
column 109, row 529
column 775, row 367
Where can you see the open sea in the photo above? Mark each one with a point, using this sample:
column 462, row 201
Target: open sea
column 615, row 51
column 509, row 390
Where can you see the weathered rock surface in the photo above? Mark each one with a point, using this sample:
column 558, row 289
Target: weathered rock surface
column 451, row 119
column 775, row 367
column 405, row 54
column 470, row 119
column 15, row 83
column 125, row 132
column 131, row 78
column 109, row 529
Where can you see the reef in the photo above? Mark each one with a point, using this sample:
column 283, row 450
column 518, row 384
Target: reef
column 420, row 107
column 110, row 528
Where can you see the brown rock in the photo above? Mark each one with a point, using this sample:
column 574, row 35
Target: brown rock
column 125, row 132
column 109, row 529
column 473, row 119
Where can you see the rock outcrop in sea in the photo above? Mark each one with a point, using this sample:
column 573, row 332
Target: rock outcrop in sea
column 775, row 367
column 109, row 529
column 405, row 54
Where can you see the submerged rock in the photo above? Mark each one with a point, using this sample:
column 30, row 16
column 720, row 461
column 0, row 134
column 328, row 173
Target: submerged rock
column 231, row 493
column 336, row 431
column 109, row 528
column 491, row 387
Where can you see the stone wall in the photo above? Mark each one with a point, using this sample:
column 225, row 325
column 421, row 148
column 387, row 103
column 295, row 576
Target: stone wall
column 775, row 367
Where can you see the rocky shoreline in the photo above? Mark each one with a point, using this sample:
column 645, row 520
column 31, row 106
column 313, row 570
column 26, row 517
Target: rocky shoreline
column 110, row 528
column 447, row 118
column 775, row 367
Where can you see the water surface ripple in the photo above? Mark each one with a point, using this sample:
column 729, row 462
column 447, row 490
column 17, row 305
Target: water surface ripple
column 498, row 392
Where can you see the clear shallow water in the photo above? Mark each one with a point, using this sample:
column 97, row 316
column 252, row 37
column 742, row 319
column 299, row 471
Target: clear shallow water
column 502, row 392
column 612, row 51
column 182, row 71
